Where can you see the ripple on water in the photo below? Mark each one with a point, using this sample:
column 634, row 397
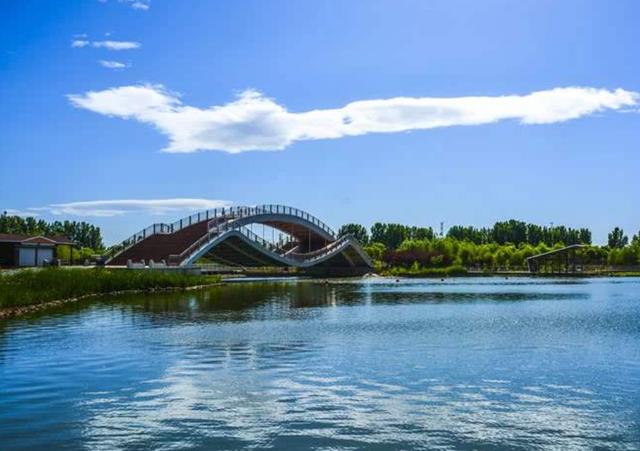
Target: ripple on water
column 473, row 363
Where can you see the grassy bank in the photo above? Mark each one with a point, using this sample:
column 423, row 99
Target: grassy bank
column 25, row 288
column 449, row 271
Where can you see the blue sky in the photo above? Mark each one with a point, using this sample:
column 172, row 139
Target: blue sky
column 353, row 94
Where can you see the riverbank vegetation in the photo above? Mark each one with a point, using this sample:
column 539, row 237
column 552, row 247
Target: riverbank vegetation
column 404, row 250
column 416, row 270
column 28, row 287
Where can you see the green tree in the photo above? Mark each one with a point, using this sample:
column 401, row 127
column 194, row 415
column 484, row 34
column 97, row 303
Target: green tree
column 391, row 235
column 617, row 239
column 357, row 230
column 421, row 233
column 375, row 250
column 585, row 236
column 468, row 233
column 511, row 231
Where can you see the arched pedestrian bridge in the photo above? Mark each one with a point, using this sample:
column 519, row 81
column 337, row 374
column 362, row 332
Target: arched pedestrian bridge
column 260, row 236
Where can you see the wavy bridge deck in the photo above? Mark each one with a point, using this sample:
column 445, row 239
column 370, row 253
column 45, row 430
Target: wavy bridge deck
column 227, row 236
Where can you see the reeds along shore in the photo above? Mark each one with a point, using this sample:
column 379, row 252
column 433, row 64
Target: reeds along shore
column 30, row 287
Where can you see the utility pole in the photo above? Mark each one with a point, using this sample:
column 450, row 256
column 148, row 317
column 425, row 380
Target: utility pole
column 441, row 229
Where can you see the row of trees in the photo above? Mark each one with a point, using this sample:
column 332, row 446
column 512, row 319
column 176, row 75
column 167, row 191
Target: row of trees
column 505, row 245
column 519, row 232
column 391, row 235
column 514, row 232
column 83, row 233
column 443, row 252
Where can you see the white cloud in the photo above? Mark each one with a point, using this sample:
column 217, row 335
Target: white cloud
column 141, row 5
column 120, row 207
column 108, row 208
column 116, row 45
column 107, row 44
column 112, row 64
column 256, row 122
column 79, row 43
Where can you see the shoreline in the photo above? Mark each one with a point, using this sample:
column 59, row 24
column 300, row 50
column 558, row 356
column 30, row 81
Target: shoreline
column 16, row 311
column 512, row 274
column 429, row 274
column 12, row 312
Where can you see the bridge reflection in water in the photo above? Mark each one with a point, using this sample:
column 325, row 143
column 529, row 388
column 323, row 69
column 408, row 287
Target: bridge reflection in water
column 260, row 236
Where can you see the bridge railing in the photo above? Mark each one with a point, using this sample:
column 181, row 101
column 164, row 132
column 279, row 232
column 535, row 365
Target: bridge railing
column 315, row 255
column 166, row 229
column 235, row 213
column 214, row 217
column 277, row 248
column 154, row 229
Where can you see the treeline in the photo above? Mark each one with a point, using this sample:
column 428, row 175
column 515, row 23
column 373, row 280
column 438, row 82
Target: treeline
column 506, row 245
column 390, row 235
column 519, row 232
column 83, row 233
column 512, row 231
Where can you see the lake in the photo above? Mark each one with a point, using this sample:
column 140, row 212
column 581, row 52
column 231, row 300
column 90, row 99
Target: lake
column 469, row 363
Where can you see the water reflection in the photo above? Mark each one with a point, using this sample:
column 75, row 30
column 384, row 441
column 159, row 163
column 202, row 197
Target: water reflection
column 287, row 409
column 262, row 300
column 510, row 364
column 421, row 297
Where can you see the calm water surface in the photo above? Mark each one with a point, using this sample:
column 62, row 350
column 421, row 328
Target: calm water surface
column 421, row 364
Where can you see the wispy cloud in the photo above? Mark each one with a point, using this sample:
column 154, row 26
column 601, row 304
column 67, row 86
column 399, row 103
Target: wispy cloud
column 116, row 45
column 107, row 44
column 13, row 212
column 108, row 208
column 141, row 5
column 256, row 122
column 113, row 64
